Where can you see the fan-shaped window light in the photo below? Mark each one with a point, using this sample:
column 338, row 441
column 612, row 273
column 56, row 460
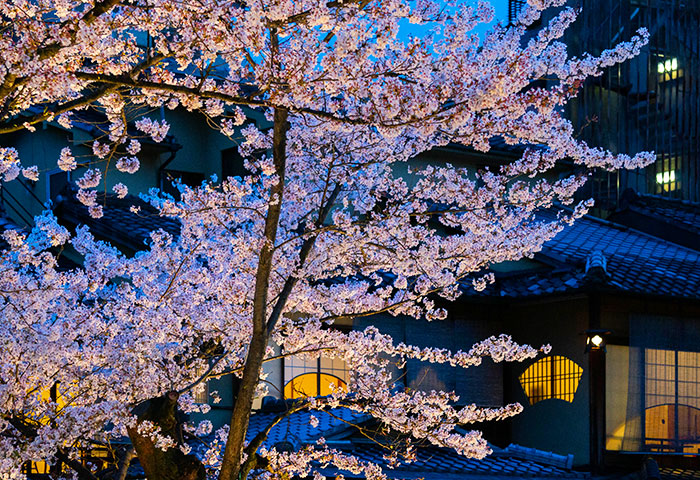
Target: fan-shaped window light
column 551, row 377
column 313, row 385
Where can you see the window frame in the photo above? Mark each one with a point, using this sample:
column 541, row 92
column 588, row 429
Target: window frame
column 318, row 371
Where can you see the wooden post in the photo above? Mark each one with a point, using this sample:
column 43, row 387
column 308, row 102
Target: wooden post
column 596, row 389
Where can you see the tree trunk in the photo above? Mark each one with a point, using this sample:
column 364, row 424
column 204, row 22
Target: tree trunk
column 231, row 463
column 171, row 464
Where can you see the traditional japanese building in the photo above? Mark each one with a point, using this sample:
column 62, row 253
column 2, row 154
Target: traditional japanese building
column 633, row 281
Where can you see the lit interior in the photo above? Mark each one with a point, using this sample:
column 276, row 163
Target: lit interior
column 313, row 385
column 668, row 65
column 666, row 177
column 667, row 418
column 551, row 377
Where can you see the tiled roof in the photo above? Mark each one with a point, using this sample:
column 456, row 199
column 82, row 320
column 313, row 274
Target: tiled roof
column 678, row 474
column 296, row 431
column 635, row 262
column 444, row 461
column 118, row 225
column 680, row 213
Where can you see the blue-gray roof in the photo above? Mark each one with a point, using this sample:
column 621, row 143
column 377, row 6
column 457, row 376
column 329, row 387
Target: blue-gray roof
column 118, row 225
column 680, row 213
column 636, row 262
column 337, row 428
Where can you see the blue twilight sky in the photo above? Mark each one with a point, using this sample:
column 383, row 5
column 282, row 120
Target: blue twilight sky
column 500, row 6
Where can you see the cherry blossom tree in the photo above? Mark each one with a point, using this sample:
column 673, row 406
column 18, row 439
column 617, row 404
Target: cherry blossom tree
column 332, row 224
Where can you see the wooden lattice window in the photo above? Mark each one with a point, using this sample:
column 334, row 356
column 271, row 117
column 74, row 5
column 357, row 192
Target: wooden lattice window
column 551, row 377
column 201, row 393
column 671, row 400
column 668, row 173
column 314, row 377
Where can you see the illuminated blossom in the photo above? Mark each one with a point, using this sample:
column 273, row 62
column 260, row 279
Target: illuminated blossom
column 90, row 179
column 31, row 173
column 66, row 161
column 128, row 164
column 100, row 150
column 120, row 189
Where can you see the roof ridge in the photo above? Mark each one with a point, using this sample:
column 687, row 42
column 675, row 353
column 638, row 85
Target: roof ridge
column 680, row 201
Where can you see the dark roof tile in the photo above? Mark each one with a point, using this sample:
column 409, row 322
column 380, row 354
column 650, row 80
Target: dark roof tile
column 119, row 225
column 635, row 262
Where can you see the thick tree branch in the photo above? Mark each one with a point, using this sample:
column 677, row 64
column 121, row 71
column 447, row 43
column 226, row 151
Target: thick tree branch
column 98, row 92
column 125, row 81
column 124, row 463
column 304, row 253
column 13, row 81
column 257, row 442
column 83, row 472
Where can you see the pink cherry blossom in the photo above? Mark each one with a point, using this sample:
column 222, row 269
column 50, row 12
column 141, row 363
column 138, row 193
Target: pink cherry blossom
column 335, row 221
column 66, row 161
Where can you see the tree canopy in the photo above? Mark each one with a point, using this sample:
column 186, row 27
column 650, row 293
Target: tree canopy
column 330, row 224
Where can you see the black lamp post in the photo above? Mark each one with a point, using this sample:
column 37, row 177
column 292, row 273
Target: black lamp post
column 595, row 348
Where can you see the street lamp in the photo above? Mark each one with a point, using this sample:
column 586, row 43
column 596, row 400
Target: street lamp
column 595, row 347
column 595, row 339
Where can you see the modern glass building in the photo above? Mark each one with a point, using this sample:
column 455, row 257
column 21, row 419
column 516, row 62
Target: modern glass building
column 649, row 103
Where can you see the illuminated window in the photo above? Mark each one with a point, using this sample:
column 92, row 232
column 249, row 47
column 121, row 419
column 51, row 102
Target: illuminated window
column 653, row 405
column 51, row 394
column 672, row 401
column 36, row 468
column 200, row 393
column 667, row 68
column 551, row 377
column 668, row 65
column 666, row 174
column 314, row 377
column 666, row 177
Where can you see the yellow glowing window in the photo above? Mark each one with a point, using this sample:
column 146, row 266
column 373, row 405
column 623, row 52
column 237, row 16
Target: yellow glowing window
column 36, row 468
column 667, row 173
column 668, row 65
column 666, row 177
column 314, row 376
column 46, row 395
column 201, row 392
column 666, row 181
column 313, row 385
column 551, row 377
column 668, row 69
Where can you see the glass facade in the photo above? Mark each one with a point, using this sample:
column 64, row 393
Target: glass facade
column 651, row 102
